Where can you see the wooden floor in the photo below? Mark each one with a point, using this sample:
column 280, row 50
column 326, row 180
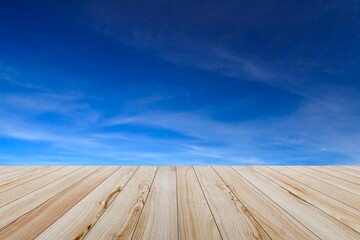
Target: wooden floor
column 180, row 202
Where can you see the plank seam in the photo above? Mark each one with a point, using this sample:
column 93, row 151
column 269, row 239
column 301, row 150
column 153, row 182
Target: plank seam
column 358, row 195
column 240, row 201
column 311, row 204
column 111, row 201
column 40, row 187
column 137, row 222
column 355, row 169
column 318, row 189
column 331, row 171
column 33, row 179
column 265, row 195
column 342, row 172
column 47, row 200
column 9, row 177
column 177, row 203
column 81, row 198
column 212, row 214
column 14, row 170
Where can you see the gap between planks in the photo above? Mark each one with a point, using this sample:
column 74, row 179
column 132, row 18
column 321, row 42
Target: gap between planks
column 161, row 201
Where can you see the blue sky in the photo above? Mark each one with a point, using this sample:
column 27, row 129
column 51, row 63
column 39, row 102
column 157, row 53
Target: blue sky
column 180, row 82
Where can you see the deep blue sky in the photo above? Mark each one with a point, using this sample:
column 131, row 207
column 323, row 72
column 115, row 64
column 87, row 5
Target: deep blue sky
column 180, row 82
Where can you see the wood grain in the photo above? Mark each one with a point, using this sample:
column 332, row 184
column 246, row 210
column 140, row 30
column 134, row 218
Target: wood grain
column 22, row 190
column 348, row 186
column 6, row 185
column 344, row 177
column 20, row 206
column 158, row 219
column 340, row 211
column 355, row 168
column 275, row 221
column 14, row 174
column 341, row 195
column 85, row 214
column 202, row 202
column 37, row 220
column 194, row 214
column 120, row 219
column 8, row 169
column 344, row 170
column 232, row 217
column 307, row 214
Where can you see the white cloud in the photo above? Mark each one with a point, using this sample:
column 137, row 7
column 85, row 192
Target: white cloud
column 328, row 122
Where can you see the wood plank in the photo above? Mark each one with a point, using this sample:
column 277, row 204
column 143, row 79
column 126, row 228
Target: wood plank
column 37, row 220
column 119, row 220
column 340, row 175
column 348, row 186
column 342, row 212
column 341, row 195
column 345, row 170
column 320, row 223
column 232, row 217
column 28, row 187
column 86, row 213
column 194, row 215
column 8, row 169
column 355, row 169
column 14, row 174
column 6, row 185
column 17, row 208
column 186, row 203
column 158, row 219
column 275, row 221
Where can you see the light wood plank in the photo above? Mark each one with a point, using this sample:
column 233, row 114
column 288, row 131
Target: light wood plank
column 6, row 185
column 17, row 208
column 340, row 175
column 355, row 169
column 84, row 215
column 158, row 219
column 37, row 220
column 119, row 220
column 233, row 219
column 20, row 172
column 275, row 221
column 194, row 215
column 8, row 169
column 339, row 194
column 348, row 186
column 35, row 184
column 189, row 203
column 342, row 212
column 320, row 223
column 345, row 170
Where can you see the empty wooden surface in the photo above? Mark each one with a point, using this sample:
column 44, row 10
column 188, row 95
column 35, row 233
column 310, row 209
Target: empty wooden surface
column 184, row 202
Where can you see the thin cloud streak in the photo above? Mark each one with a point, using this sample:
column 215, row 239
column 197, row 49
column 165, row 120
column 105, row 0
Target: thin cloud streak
column 321, row 126
column 317, row 126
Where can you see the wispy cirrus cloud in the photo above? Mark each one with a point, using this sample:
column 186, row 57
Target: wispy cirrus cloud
column 318, row 128
column 324, row 127
column 239, row 39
